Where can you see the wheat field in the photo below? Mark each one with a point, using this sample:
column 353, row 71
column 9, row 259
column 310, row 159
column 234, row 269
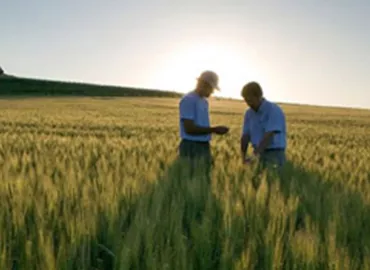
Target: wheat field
column 89, row 183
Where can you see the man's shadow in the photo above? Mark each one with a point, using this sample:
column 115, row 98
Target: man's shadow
column 331, row 207
column 177, row 223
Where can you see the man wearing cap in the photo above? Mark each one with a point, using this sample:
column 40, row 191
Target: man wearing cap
column 264, row 127
column 195, row 128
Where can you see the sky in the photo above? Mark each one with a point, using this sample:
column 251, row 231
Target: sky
column 307, row 52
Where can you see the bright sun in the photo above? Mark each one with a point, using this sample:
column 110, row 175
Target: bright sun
column 182, row 66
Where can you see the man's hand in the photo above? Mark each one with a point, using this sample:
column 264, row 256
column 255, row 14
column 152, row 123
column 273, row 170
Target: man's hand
column 251, row 159
column 220, row 130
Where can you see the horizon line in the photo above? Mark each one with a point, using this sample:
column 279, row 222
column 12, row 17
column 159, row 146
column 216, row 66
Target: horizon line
column 7, row 75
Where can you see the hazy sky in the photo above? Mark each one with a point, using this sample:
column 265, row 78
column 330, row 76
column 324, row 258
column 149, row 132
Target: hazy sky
column 313, row 52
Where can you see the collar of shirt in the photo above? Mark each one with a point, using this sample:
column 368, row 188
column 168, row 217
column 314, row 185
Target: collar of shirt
column 262, row 107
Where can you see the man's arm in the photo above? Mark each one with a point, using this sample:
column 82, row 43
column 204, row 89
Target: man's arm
column 267, row 137
column 187, row 114
column 245, row 138
column 244, row 142
column 193, row 129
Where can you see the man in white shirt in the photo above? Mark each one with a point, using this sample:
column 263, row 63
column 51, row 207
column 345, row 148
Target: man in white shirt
column 195, row 128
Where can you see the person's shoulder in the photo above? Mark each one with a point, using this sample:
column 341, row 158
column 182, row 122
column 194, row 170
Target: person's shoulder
column 185, row 96
column 188, row 98
column 273, row 106
column 276, row 110
column 189, row 95
column 247, row 112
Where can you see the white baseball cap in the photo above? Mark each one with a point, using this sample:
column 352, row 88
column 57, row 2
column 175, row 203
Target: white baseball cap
column 210, row 77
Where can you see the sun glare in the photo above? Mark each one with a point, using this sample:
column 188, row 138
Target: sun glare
column 182, row 66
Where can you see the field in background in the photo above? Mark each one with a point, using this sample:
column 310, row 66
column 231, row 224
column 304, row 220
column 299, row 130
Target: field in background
column 92, row 183
column 18, row 86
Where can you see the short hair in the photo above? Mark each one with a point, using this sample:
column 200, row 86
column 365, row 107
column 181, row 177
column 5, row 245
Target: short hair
column 253, row 88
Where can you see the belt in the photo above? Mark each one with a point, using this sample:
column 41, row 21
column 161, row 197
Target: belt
column 274, row 149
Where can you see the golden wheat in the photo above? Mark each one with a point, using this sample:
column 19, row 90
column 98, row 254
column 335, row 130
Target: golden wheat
column 90, row 183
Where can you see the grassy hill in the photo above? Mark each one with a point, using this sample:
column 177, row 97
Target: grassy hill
column 15, row 86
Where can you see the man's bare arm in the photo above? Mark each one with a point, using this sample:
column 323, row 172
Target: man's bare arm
column 244, row 142
column 193, row 129
column 264, row 142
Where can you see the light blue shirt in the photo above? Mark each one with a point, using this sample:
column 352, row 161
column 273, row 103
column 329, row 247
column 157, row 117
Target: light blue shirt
column 195, row 108
column 269, row 117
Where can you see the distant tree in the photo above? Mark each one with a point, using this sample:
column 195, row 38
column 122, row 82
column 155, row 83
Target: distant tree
column 1, row 71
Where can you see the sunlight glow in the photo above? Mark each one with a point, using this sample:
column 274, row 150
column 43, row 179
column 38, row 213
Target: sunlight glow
column 182, row 66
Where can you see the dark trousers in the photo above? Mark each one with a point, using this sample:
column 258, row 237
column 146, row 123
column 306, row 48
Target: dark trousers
column 198, row 156
column 273, row 157
column 273, row 160
column 196, row 181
